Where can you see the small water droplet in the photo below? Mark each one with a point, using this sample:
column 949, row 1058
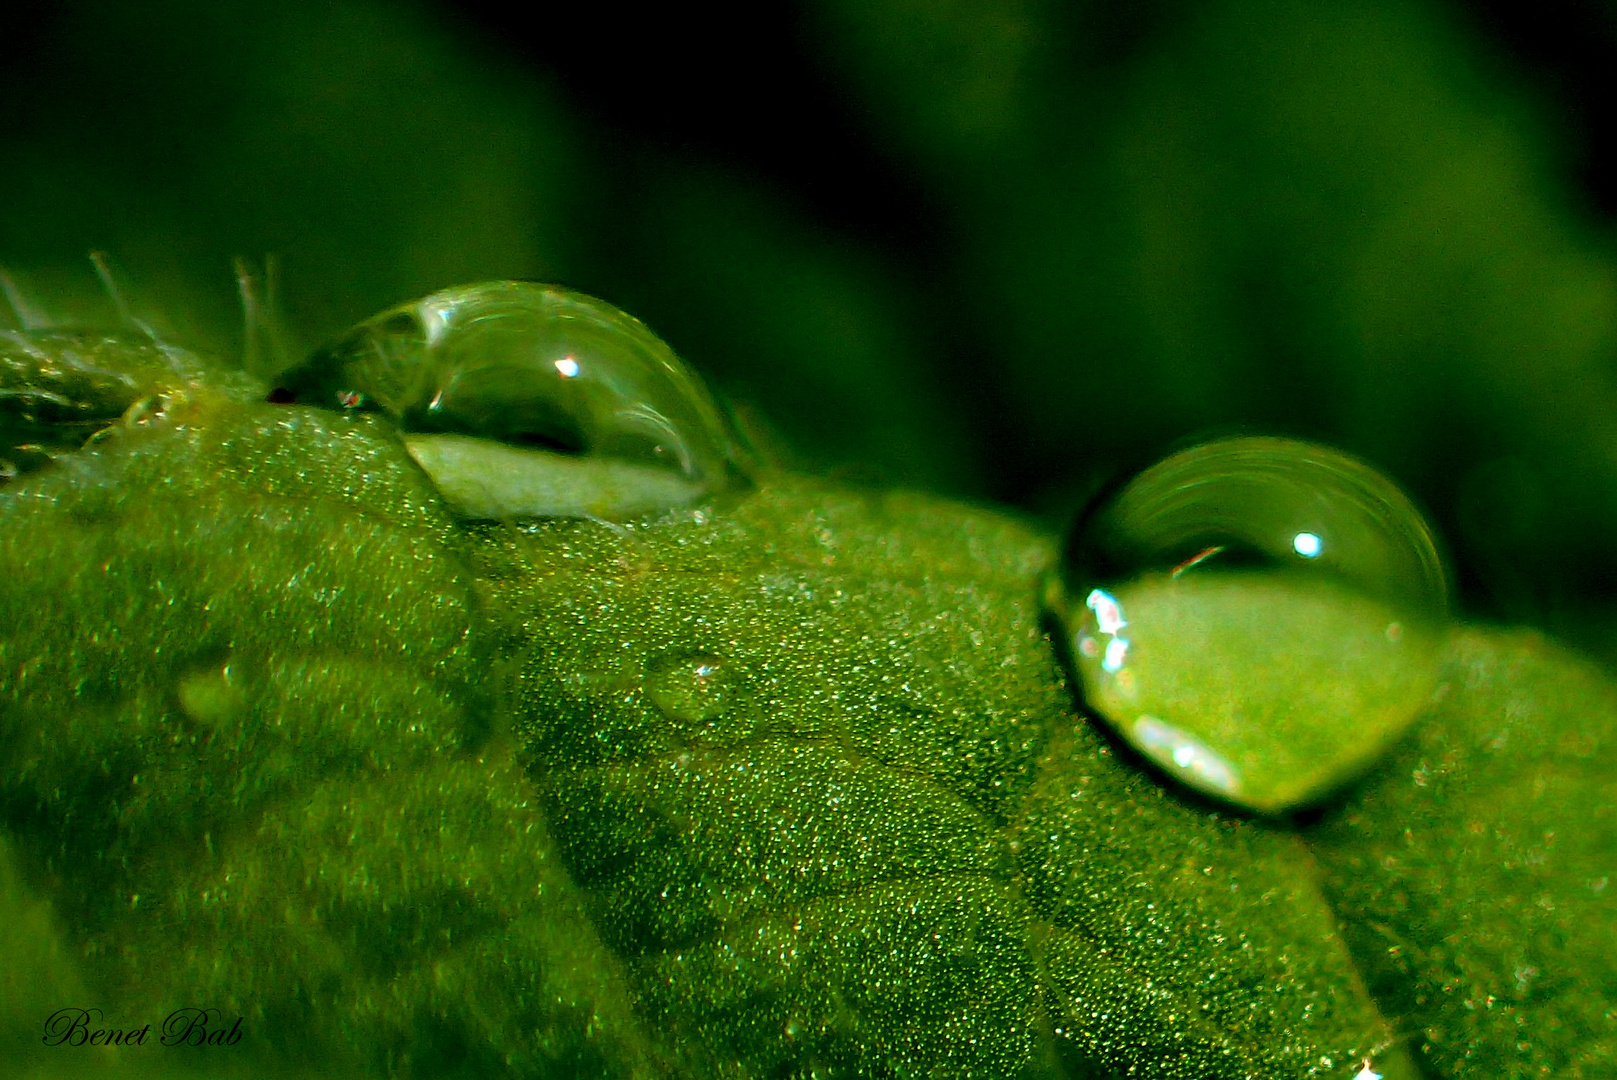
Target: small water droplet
column 525, row 400
column 692, row 687
column 1259, row 616
column 213, row 694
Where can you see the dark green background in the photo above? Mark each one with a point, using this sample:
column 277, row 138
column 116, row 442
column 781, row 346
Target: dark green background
column 999, row 249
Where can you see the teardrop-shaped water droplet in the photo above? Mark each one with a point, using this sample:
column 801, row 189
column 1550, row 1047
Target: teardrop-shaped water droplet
column 1261, row 617
column 526, row 400
column 691, row 687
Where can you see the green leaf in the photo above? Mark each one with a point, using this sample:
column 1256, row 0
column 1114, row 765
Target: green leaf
column 1473, row 872
column 253, row 719
column 249, row 762
column 789, row 784
column 899, row 848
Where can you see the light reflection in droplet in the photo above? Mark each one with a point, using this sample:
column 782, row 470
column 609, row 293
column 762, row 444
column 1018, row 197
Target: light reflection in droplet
column 1169, row 745
column 1307, row 544
column 1108, row 612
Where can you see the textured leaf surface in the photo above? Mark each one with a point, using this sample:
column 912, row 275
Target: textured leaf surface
column 789, row 785
column 248, row 757
column 898, row 846
column 1473, row 873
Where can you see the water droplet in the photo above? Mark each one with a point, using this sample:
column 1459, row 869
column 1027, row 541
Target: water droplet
column 212, row 695
column 1260, row 617
column 525, row 400
column 692, row 687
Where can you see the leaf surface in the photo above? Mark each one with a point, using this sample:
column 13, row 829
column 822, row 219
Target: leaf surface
column 790, row 784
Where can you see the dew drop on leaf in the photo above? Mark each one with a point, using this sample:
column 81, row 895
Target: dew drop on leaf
column 212, row 695
column 527, row 400
column 1260, row 617
column 694, row 687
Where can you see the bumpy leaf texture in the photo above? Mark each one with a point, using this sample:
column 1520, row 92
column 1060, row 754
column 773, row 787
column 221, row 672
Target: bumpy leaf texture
column 790, row 785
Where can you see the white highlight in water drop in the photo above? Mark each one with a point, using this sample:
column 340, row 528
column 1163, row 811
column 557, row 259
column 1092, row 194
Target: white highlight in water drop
column 1367, row 1073
column 568, row 367
column 1199, row 765
column 1108, row 612
column 1307, row 544
column 1117, row 654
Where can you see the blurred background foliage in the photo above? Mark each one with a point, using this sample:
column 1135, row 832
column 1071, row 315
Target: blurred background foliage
column 998, row 249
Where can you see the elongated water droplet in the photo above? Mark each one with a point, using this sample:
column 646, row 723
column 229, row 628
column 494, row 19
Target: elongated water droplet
column 525, row 400
column 1260, row 617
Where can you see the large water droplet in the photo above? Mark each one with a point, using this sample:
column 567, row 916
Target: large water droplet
column 525, row 400
column 1260, row 617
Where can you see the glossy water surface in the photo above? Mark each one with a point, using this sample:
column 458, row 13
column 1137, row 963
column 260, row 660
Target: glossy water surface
column 1261, row 617
column 527, row 400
